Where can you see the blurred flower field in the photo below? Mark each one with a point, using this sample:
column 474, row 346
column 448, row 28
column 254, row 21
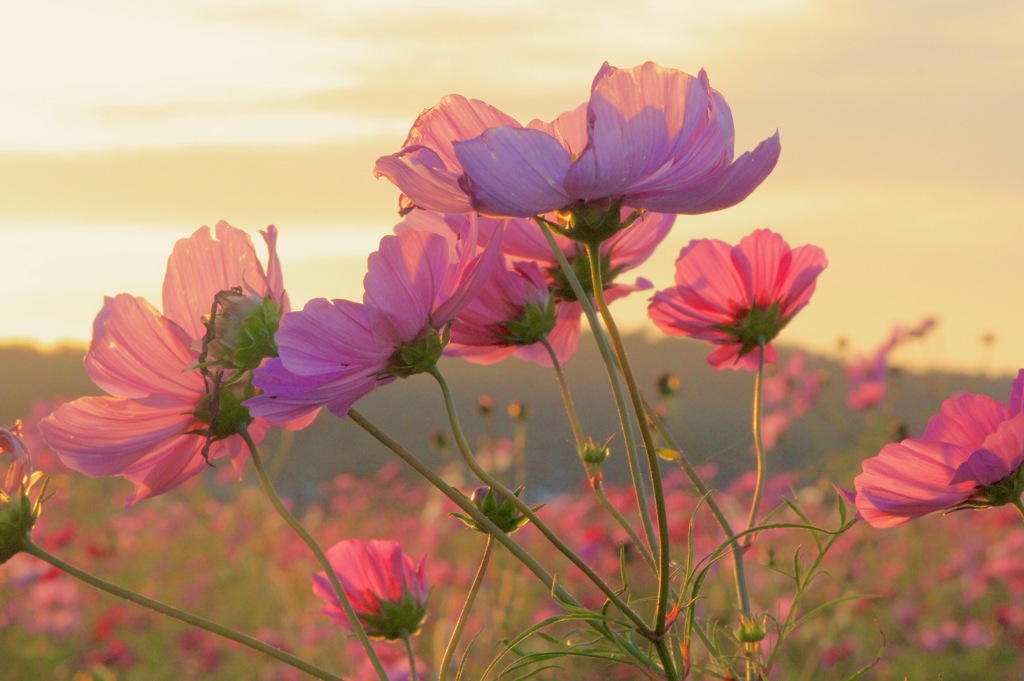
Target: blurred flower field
column 940, row 598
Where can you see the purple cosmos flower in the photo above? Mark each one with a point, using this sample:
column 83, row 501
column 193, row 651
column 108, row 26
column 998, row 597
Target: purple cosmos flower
column 650, row 138
column 334, row 352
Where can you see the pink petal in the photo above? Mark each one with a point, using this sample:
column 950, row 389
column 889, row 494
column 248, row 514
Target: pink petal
column 722, row 190
column 515, row 172
column 200, row 267
column 966, row 420
column 423, row 177
column 908, row 480
column 136, row 352
column 110, row 436
column 328, row 336
column 403, row 281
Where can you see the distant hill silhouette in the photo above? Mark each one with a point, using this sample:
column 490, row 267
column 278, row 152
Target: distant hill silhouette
column 710, row 413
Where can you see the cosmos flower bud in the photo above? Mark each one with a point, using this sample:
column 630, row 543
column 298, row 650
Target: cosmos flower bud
column 18, row 512
column 242, row 330
column 498, row 509
column 593, row 455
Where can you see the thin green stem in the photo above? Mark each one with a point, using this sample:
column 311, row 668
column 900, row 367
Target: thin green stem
column 460, row 624
column 758, row 443
column 664, row 567
column 174, row 613
column 522, row 507
column 484, row 523
column 332, row 576
column 612, row 366
column 563, row 388
column 596, row 483
column 412, row 655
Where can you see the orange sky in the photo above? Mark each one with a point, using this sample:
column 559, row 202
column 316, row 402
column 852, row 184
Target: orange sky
column 128, row 125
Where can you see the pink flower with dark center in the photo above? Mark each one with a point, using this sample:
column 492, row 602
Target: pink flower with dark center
column 155, row 424
column 387, row 590
column 738, row 297
column 335, row 352
column 650, row 138
column 970, row 455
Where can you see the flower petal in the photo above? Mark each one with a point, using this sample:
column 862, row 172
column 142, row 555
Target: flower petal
column 515, row 172
column 136, row 352
column 201, row 267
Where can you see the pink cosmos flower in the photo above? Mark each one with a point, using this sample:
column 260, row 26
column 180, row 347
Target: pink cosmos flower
column 151, row 428
column 738, row 296
column 388, row 591
column 528, row 253
column 335, row 352
column 649, row 138
column 970, row 455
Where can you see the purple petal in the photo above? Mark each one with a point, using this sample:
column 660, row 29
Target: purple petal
column 515, row 172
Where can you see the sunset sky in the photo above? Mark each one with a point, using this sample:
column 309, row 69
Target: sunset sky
column 128, row 125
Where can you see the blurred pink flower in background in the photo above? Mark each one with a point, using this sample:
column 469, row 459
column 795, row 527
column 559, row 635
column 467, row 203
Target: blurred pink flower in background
column 869, row 374
column 650, row 137
column 150, row 429
column 972, row 444
column 787, row 395
column 388, row 591
column 738, row 296
column 335, row 352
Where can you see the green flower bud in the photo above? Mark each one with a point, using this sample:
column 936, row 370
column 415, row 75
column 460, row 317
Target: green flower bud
column 241, row 332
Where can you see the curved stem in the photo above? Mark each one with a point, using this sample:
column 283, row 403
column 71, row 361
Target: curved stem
column 332, row 576
column 664, row 568
column 522, row 507
column 612, row 366
column 486, row 524
column 174, row 613
column 563, row 388
column 758, row 444
column 412, row 656
column 460, row 624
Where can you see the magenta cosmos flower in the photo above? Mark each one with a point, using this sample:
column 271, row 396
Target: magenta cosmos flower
column 649, row 138
column 970, row 455
column 738, row 296
column 155, row 423
column 335, row 352
column 388, row 591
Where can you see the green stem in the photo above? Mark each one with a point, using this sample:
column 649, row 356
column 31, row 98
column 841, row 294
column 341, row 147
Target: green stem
column 563, row 388
column 597, row 484
column 612, row 366
column 174, row 613
column 522, row 507
column 664, row 568
column 460, row 624
column 412, row 656
column 332, row 576
column 758, row 444
column 486, row 524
